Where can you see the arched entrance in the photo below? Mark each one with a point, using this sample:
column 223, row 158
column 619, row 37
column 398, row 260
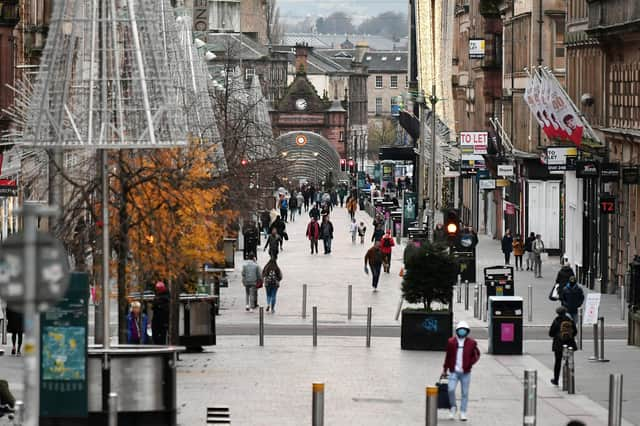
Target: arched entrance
column 309, row 156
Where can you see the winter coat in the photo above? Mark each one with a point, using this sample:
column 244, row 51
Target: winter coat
column 160, row 313
column 314, row 213
column 572, row 297
column 507, row 244
column 142, row 331
column 15, row 321
column 271, row 275
column 326, row 230
column 313, row 231
column 470, row 354
column 383, row 243
column 518, row 248
column 250, row 273
column 378, row 233
column 563, row 275
column 373, row 257
column 554, row 332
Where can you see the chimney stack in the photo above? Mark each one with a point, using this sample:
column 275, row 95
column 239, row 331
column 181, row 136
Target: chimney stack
column 361, row 49
column 302, row 53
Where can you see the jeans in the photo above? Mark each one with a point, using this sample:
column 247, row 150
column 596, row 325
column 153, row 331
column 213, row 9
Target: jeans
column 353, row 238
column 537, row 265
column 327, row 245
column 271, row 296
column 530, row 260
column 283, row 214
column 251, row 296
column 375, row 275
column 293, row 215
column 314, row 245
column 518, row 261
column 465, row 380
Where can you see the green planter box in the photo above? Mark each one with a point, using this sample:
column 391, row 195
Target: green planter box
column 425, row 331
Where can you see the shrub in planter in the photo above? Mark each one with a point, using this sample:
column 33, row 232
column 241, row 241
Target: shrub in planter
column 429, row 278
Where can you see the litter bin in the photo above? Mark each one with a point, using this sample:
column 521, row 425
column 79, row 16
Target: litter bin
column 197, row 326
column 505, row 325
column 498, row 281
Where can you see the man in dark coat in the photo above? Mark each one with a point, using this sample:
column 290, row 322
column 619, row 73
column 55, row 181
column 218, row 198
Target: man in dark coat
column 314, row 213
column 507, row 246
column 326, row 233
column 572, row 297
column 563, row 332
column 528, row 250
column 563, row 276
column 160, row 320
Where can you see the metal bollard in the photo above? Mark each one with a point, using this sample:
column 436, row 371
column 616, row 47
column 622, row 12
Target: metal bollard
column 369, row 327
column 349, row 300
column 466, row 295
column 317, row 404
column 580, row 328
column 113, row 409
column 480, row 301
column 601, row 352
column 4, row 330
column 261, row 326
column 476, row 301
column 622, row 303
column 565, row 367
column 530, row 397
column 304, row 300
column 615, row 399
column 459, row 288
column 571, row 386
column 19, row 413
column 589, row 285
column 530, row 303
column 315, row 325
column 595, row 357
column 399, row 308
column 431, row 413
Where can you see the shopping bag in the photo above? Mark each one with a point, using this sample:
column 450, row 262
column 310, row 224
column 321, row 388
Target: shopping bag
column 443, row 393
column 554, row 295
column 259, row 284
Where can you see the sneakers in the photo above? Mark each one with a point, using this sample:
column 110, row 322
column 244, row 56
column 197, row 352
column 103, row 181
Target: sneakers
column 463, row 416
column 247, row 308
column 452, row 413
column 267, row 308
column 13, row 351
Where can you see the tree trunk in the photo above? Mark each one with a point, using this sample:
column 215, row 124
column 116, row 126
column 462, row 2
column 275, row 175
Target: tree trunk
column 123, row 253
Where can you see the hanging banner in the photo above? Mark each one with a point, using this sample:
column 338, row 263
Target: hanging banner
column 552, row 108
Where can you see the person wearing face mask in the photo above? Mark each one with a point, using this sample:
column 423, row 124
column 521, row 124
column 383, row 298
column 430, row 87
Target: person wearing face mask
column 462, row 353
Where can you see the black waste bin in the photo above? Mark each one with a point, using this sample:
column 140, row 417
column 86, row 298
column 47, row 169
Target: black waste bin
column 498, row 281
column 251, row 241
column 505, row 325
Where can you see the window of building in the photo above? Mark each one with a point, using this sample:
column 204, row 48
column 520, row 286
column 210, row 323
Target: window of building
column 378, row 106
column 558, row 50
column 249, row 73
column 394, row 81
column 224, row 15
column 378, row 82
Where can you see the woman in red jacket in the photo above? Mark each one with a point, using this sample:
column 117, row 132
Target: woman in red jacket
column 462, row 354
column 386, row 246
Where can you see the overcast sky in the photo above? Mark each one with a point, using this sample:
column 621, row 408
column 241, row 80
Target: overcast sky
column 297, row 10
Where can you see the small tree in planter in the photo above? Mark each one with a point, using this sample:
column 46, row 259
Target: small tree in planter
column 429, row 277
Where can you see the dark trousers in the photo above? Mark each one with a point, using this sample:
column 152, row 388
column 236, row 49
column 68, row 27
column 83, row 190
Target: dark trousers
column 314, row 245
column 507, row 256
column 386, row 260
column 518, row 261
column 327, row 245
column 375, row 275
column 283, row 214
column 557, row 365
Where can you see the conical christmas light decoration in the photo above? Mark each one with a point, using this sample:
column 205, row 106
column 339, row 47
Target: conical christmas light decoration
column 104, row 80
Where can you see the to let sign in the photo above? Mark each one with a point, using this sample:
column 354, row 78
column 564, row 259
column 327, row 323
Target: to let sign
column 478, row 140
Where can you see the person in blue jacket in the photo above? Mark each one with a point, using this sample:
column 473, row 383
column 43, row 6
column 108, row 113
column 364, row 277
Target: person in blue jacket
column 137, row 325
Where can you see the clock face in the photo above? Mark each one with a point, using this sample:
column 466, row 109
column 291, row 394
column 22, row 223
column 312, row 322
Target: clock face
column 301, row 104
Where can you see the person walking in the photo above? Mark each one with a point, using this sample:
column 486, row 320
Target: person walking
column 528, row 250
column 281, row 230
column 293, row 208
column 564, row 274
column 537, row 247
column 160, row 319
column 353, row 230
column 352, row 205
column 284, row 205
column 563, row 332
column 373, row 260
column 137, row 325
column 326, row 233
column 386, row 247
column 300, row 200
column 313, row 234
column 314, row 213
column 15, row 326
column 362, row 230
column 518, row 251
column 271, row 277
column 274, row 242
column 461, row 355
column 251, row 273
column 378, row 233
column 572, row 297
column 507, row 246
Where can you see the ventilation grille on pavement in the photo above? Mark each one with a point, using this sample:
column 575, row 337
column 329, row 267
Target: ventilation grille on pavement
column 218, row 416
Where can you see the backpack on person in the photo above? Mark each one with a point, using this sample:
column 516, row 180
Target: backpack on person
column 538, row 247
column 565, row 334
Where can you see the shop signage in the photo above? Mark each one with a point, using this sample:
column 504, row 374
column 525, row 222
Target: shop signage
column 476, row 48
column 587, row 169
column 509, row 208
column 630, row 175
column 610, row 172
column 502, row 183
column 8, row 188
column 487, row 184
column 607, row 204
column 560, row 158
column 474, row 142
column 471, row 164
column 200, row 15
column 505, row 170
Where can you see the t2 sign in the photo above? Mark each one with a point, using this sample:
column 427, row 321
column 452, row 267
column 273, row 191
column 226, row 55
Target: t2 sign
column 608, row 205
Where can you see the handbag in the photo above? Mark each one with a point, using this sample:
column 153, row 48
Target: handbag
column 443, row 393
column 554, row 294
column 259, row 284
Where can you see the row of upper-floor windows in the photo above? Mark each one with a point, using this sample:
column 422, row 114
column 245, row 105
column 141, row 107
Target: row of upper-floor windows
column 393, row 81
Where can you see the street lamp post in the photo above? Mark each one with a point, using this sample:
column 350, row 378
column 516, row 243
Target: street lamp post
column 315, row 154
column 432, row 167
column 421, row 160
